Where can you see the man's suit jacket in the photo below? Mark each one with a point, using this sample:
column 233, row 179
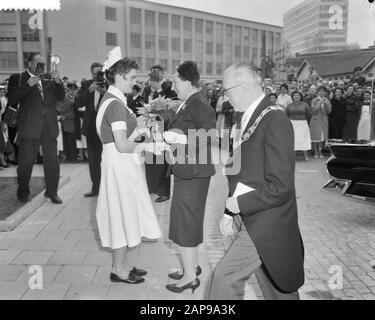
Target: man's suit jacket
column 270, row 211
column 66, row 109
column 196, row 115
column 85, row 98
column 33, row 108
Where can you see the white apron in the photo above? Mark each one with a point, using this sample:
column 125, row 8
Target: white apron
column 124, row 209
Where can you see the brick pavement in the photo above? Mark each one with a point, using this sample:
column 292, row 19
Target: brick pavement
column 63, row 239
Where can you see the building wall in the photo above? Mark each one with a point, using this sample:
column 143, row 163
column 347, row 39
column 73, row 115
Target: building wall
column 306, row 27
column 17, row 40
column 83, row 31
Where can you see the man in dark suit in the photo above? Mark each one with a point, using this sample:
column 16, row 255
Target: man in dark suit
column 37, row 97
column 90, row 95
column 261, row 199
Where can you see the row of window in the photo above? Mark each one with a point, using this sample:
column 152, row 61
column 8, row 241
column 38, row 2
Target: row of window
column 210, row 68
column 135, row 42
column 8, row 33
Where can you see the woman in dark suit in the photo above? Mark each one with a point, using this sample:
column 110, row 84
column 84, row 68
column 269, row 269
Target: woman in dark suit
column 191, row 176
column 352, row 115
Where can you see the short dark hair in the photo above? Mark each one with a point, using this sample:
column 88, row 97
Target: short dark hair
column 137, row 88
column 322, row 88
column 297, row 92
column 272, row 94
column 337, row 88
column 158, row 67
column 285, row 86
column 96, row 65
column 121, row 67
column 32, row 55
column 188, row 71
column 367, row 92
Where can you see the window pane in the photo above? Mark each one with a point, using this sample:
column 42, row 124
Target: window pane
column 209, row 68
column 199, row 25
column 163, row 20
column 219, row 68
column 29, row 34
column 188, row 23
column 209, row 47
column 176, row 44
column 209, row 27
column 8, row 32
column 135, row 16
column 110, row 13
column 150, row 41
column 135, row 40
column 149, row 63
column 163, row 43
column 150, row 18
column 111, row 39
column 219, row 49
column 8, row 60
column 187, row 45
column 237, row 51
column 175, row 22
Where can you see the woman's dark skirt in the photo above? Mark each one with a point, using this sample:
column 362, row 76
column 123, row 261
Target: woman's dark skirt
column 187, row 211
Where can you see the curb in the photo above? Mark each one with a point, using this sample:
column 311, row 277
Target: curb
column 25, row 211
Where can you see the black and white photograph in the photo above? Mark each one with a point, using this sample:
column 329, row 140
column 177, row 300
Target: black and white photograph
column 186, row 150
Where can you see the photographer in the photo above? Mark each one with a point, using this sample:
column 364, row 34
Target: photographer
column 37, row 94
column 156, row 172
column 91, row 93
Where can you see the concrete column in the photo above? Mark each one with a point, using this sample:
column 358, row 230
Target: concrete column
column 143, row 37
column 193, row 39
column 242, row 43
column 214, row 48
column 204, row 48
column 19, row 40
column 182, row 38
column 157, row 57
column 127, row 31
column 170, row 67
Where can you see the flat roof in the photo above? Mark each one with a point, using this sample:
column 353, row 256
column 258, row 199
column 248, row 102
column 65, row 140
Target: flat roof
column 205, row 12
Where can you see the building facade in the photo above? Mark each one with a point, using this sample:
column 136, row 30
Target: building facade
column 19, row 37
column 83, row 31
column 316, row 26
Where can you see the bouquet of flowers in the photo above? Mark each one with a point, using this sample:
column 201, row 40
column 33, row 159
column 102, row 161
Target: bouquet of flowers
column 160, row 107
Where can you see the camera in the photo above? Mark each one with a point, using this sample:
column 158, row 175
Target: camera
column 155, row 76
column 100, row 80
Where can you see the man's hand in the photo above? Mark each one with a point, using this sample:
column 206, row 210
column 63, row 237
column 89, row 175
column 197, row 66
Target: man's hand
column 33, row 81
column 93, row 87
column 55, row 76
column 226, row 226
column 232, row 205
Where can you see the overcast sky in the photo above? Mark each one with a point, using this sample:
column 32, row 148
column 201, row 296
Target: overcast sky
column 361, row 17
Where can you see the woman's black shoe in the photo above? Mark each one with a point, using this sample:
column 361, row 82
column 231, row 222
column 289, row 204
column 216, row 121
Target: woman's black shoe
column 131, row 279
column 177, row 276
column 138, row 272
column 191, row 285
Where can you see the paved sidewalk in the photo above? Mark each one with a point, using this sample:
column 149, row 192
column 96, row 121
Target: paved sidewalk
column 337, row 231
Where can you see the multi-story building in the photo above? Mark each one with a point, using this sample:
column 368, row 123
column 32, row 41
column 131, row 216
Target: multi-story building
column 17, row 40
column 83, row 31
column 316, row 26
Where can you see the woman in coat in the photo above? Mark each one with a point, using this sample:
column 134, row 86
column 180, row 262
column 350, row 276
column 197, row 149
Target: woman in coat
column 320, row 108
column 191, row 174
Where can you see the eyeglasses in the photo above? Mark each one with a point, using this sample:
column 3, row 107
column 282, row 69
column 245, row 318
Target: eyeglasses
column 226, row 91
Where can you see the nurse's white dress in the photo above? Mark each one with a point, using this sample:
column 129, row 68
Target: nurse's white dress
column 124, row 209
